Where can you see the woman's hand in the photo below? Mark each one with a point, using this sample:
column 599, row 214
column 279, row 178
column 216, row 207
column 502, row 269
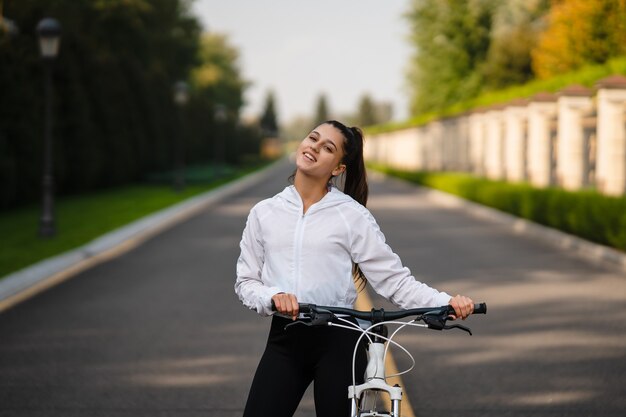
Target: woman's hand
column 463, row 306
column 286, row 304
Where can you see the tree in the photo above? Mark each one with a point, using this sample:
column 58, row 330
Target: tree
column 217, row 90
column 268, row 122
column 366, row 115
column 451, row 39
column 321, row 110
column 580, row 32
column 516, row 28
column 114, row 116
column 217, row 77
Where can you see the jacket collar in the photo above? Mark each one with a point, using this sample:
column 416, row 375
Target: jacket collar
column 333, row 198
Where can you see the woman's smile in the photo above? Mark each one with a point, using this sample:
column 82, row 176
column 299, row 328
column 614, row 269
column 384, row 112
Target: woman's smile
column 309, row 156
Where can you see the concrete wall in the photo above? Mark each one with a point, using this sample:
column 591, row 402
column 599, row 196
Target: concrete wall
column 573, row 139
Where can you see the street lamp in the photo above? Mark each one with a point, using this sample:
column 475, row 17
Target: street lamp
column 181, row 97
column 49, row 32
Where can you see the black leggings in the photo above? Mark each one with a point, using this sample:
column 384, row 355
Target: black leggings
column 295, row 357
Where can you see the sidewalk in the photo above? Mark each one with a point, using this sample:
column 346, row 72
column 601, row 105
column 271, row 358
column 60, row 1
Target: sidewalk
column 27, row 282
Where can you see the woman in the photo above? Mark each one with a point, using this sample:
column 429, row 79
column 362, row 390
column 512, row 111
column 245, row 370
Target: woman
column 303, row 245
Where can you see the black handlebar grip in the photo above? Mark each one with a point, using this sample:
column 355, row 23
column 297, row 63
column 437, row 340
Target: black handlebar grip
column 480, row 308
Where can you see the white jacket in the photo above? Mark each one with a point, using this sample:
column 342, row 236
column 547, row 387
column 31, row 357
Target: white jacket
column 311, row 255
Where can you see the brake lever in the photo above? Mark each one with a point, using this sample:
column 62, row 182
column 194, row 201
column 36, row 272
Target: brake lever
column 439, row 322
column 458, row 326
column 317, row 319
column 305, row 323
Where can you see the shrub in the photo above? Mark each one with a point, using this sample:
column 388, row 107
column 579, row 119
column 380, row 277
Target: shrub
column 587, row 214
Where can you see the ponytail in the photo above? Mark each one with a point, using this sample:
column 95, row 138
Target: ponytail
column 355, row 176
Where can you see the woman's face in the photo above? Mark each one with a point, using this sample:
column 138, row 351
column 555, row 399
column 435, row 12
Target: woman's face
column 321, row 152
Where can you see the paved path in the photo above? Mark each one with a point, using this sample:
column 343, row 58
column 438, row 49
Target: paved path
column 159, row 332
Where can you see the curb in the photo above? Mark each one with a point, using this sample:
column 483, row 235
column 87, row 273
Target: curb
column 593, row 252
column 23, row 284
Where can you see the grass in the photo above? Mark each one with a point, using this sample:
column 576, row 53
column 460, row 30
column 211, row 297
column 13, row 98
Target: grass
column 80, row 219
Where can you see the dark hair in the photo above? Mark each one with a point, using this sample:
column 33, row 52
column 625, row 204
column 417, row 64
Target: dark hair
column 355, row 176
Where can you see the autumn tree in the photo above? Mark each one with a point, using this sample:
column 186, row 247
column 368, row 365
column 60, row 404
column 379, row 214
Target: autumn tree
column 580, row 32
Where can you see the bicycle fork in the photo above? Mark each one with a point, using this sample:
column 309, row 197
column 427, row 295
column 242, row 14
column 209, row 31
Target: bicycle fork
column 373, row 385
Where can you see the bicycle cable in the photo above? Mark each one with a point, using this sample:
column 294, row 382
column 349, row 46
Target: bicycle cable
column 367, row 332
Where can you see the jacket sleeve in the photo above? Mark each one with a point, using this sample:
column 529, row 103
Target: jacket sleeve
column 249, row 285
column 384, row 270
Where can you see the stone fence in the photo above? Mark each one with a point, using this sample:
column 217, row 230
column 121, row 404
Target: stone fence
column 573, row 139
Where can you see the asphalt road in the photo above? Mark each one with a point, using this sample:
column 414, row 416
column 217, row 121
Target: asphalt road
column 158, row 331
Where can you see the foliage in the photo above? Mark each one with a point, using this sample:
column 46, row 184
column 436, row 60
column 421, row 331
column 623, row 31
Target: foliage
column 367, row 112
column 516, row 27
column 586, row 214
column 218, row 78
column 269, row 122
column 451, row 40
column 371, row 112
column 322, row 113
column 580, row 32
column 217, row 92
column 114, row 117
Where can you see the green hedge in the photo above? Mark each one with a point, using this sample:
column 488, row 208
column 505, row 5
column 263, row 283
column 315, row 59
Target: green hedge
column 586, row 214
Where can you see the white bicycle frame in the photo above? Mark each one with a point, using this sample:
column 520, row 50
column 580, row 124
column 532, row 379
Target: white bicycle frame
column 375, row 380
column 375, row 377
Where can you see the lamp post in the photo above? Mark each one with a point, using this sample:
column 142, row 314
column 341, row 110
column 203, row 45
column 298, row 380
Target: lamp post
column 181, row 97
column 49, row 32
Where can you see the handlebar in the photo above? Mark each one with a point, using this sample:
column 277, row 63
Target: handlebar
column 434, row 317
column 377, row 315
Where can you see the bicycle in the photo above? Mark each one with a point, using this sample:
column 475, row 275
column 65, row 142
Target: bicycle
column 365, row 397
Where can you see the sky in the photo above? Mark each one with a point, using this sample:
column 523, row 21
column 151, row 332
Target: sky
column 300, row 49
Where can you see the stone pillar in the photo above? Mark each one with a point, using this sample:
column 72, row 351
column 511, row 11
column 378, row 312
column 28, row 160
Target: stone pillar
column 405, row 149
column 462, row 135
column 611, row 136
column 542, row 112
column 494, row 151
column 371, row 148
column 389, row 139
column 449, row 144
column 515, row 140
column 422, row 148
column 433, row 143
column 477, row 139
column 572, row 162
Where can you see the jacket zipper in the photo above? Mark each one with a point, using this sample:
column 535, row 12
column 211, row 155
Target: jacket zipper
column 298, row 251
